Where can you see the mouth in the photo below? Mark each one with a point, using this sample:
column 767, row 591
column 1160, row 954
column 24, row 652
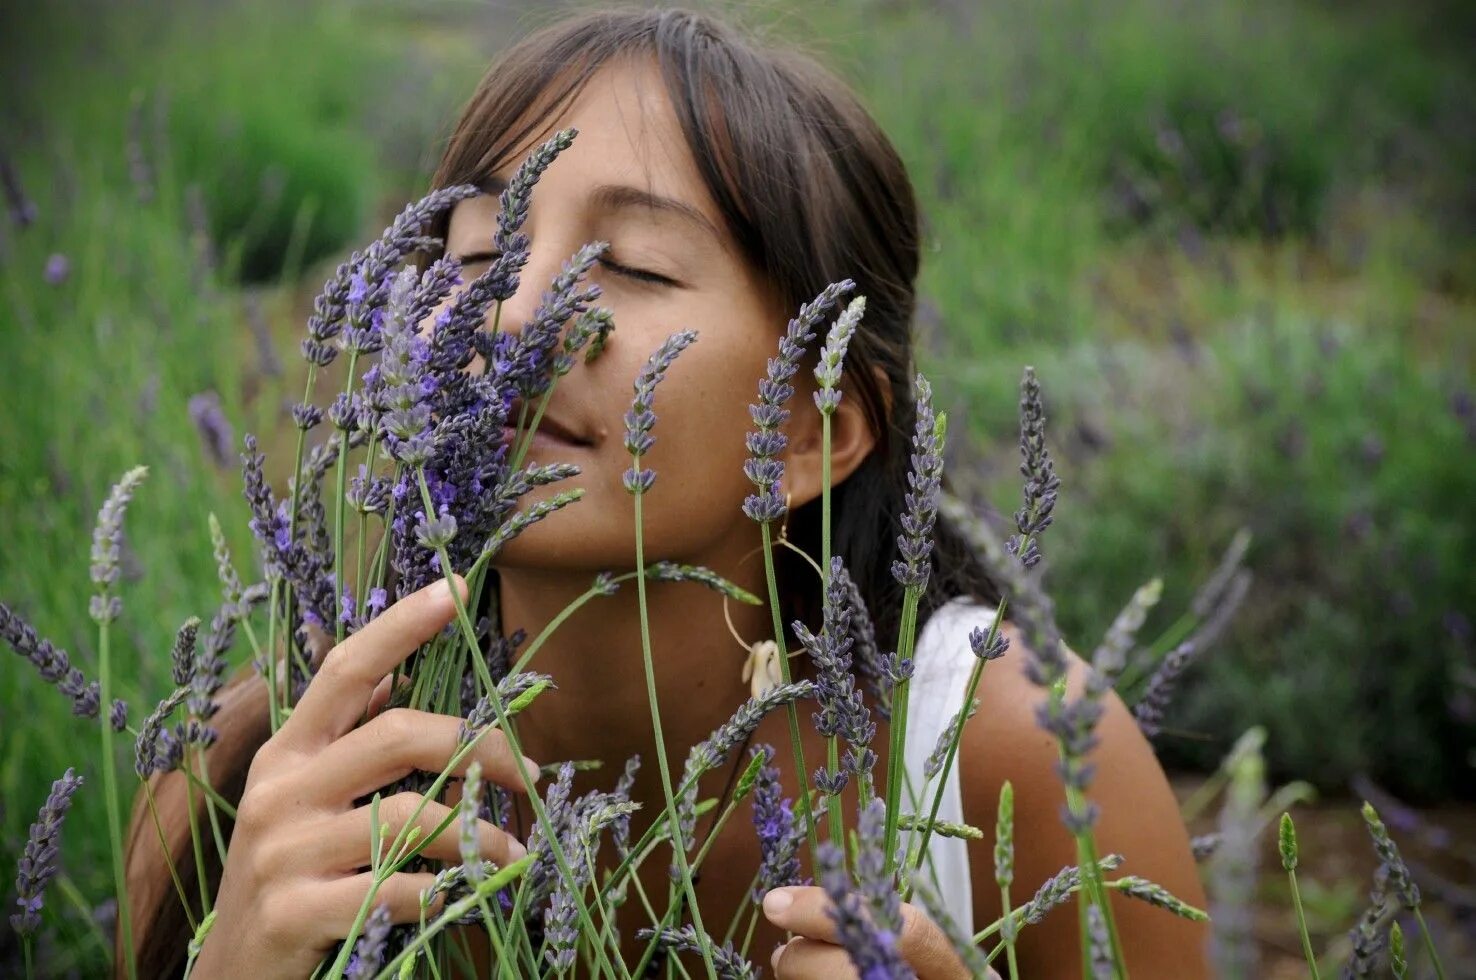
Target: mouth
column 550, row 431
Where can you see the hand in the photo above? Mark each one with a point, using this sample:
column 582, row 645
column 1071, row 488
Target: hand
column 294, row 877
column 813, row 953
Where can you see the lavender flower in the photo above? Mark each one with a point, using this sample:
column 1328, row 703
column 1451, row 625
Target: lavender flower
column 1004, row 837
column 926, row 482
column 525, row 519
column 833, row 355
column 402, row 237
column 1154, row 894
column 156, row 749
column 1204, row 846
column 182, row 655
column 1041, row 482
column 368, row 953
column 533, row 358
column 589, row 333
column 671, row 571
column 401, row 398
column 779, row 835
column 766, row 443
column 990, row 644
column 107, row 538
column 728, row 962
column 1100, row 946
column 871, row 947
column 878, row 888
column 1111, row 654
column 58, row 267
column 864, row 652
column 1367, row 938
column 713, row 751
column 641, row 419
column 38, row 863
column 215, row 430
column 230, row 581
column 1159, row 691
column 843, row 712
column 1400, row 881
column 471, row 794
column 518, row 194
column 53, row 664
column 934, row 762
column 620, row 830
column 1059, row 887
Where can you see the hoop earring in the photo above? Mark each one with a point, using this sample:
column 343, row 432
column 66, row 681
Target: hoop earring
column 761, row 669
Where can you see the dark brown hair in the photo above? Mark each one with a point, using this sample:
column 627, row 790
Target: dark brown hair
column 812, row 192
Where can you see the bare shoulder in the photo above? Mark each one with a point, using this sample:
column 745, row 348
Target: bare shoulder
column 1139, row 820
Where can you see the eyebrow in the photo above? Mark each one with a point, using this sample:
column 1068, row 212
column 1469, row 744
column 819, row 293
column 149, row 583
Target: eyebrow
column 617, row 197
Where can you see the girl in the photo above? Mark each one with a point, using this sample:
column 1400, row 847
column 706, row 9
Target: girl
column 733, row 180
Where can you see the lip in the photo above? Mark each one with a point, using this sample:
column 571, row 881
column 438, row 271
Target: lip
column 550, row 432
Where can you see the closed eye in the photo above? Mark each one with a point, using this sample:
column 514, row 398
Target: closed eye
column 639, row 275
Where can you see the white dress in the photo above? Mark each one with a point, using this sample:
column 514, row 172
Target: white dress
column 944, row 661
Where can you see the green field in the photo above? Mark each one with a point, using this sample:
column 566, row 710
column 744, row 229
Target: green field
column 1237, row 241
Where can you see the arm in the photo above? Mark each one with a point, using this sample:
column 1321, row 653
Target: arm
column 1139, row 819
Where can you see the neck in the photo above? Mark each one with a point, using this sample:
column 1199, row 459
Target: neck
column 600, row 709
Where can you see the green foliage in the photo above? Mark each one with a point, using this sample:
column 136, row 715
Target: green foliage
column 273, row 132
column 1343, row 457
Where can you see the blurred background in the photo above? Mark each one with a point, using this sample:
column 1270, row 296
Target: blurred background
column 1237, row 240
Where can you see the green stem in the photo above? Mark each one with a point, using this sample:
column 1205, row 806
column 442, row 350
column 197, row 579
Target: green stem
column 1302, row 925
column 196, row 844
column 897, row 729
column 790, row 710
column 452, row 913
column 179, row 888
column 1429, row 942
column 110, row 793
column 678, row 845
column 340, row 485
column 1004, row 898
column 210, row 809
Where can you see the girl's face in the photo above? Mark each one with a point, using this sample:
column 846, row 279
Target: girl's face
column 629, row 179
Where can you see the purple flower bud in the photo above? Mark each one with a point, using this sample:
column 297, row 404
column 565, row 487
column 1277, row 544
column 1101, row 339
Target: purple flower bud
column 58, row 266
column 641, row 418
column 926, row 482
column 769, row 413
column 779, row 834
column 107, row 539
column 215, row 431
column 368, row 954
column 38, row 863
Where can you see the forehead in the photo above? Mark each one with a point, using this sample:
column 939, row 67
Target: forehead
column 628, row 133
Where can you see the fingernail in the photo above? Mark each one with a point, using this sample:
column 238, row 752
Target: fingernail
column 515, row 850
column 774, row 957
column 534, row 771
column 777, row 901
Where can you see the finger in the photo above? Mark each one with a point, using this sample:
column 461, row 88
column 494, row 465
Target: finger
column 805, row 911
column 802, row 910
column 338, row 693
column 810, row 959
column 400, row 893
column 400, row 741
column 346, row 845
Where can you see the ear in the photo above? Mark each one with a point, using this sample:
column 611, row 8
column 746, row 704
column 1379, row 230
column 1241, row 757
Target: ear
column 851, row 440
